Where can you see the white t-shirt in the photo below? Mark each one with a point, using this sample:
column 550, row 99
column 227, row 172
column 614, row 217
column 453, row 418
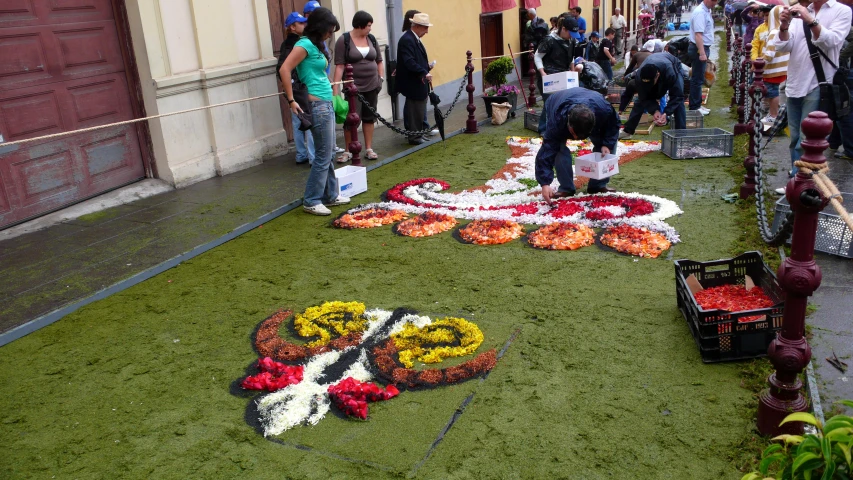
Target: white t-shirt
column 618, row 22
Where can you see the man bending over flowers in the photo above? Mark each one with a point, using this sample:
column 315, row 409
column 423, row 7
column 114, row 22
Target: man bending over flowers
column 574, row 114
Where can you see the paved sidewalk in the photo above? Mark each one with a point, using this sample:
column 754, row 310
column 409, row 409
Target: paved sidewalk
column 49, row 269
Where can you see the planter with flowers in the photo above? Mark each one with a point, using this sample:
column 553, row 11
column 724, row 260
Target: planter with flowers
column 499, row 91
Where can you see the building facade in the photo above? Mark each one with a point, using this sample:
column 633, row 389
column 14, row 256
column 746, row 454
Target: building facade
column 66, row 66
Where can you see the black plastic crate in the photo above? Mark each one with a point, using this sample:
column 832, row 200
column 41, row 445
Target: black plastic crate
column 697, row 143
column 531, row 120
column 833, row 236
column 719, row 334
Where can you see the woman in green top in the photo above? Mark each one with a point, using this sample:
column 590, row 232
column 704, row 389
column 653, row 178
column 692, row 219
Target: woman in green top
column 310, row 60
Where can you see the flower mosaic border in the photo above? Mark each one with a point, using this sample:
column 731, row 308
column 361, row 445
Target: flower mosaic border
column 513, row 195
column 371, row 343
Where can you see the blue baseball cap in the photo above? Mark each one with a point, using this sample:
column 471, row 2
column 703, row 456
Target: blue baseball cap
column 311, row 6
column 294, row 17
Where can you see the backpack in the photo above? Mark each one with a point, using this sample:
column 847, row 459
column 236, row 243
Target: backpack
column 372, row 40
column 679, row 49
column 593, row 51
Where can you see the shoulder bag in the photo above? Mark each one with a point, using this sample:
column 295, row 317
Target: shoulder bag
column 835, row 96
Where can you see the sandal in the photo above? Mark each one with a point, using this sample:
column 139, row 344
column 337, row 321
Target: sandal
column 370, row 154
column 344, row 158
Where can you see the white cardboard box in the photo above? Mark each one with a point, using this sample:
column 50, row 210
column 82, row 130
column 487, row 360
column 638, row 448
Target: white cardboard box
column 351, row 180
column 596, row 166
column 559, row 81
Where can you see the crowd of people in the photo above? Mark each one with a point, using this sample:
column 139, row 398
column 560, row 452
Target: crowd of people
column 305, row 68
column 803, row 44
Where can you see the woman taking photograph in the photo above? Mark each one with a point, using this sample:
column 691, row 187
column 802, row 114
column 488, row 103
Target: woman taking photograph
column 310, row 62
column 360, row 49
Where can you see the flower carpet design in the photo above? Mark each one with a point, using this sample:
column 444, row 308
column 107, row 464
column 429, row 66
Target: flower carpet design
column 349, row 347
column 512, row 198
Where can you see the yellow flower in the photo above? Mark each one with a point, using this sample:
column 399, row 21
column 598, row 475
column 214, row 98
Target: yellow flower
column 340, row 318
column 446, row 338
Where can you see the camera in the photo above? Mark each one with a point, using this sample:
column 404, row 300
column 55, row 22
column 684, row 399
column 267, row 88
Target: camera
column 795, row 14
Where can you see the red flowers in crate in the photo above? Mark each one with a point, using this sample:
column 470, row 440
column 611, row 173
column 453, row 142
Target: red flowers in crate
column 274, row 376
column 734, row 298
column 351, row 396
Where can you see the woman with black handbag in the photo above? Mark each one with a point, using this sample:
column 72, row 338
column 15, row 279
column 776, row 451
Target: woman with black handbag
column 310, row 60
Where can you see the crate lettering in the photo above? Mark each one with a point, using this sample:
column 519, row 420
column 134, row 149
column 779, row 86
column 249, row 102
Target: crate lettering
column 346, row 187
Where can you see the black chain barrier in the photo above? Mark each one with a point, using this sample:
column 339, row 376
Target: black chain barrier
column 416, row 133
column 787, row 227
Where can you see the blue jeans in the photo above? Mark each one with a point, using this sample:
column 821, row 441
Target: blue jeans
column 322, row 185
column 798, row 109
column 563, row 167
column 304, row 141
column 697, row 78
column 607, row 67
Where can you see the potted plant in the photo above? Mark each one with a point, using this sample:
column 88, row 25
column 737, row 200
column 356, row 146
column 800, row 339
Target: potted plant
column 499, row 91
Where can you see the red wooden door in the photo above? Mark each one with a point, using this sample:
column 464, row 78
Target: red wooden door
column 61, row 69
column 491, row 38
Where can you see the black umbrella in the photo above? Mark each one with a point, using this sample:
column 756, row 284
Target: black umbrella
column 778, row 126
column 439, row 119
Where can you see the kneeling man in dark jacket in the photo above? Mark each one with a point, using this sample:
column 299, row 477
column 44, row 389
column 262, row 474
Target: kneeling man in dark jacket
column 574, row 114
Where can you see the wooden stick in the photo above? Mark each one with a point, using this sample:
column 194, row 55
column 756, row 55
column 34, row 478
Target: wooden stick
column 520, row 84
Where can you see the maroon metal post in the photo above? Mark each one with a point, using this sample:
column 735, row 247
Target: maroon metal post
column 741, row 126
column 353, row 120
column 531, row 73
column 733, row 74
column 799, row 276
column 471, row 124
column 728, row 34
column 747, row 188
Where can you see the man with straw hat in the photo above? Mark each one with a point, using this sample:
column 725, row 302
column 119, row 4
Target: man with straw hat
column 413, row 76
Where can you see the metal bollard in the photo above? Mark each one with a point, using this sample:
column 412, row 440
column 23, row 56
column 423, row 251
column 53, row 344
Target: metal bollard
column 471, row 123
column 353, row 120
column 799, row 276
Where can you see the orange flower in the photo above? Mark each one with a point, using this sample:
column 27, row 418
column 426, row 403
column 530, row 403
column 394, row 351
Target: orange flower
column 426, row 224
column 491, row 232
column 562, row 236
column 372, row 217
column 635, row 241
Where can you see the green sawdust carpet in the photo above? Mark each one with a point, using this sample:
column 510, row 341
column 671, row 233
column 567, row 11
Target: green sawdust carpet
column 603, row 380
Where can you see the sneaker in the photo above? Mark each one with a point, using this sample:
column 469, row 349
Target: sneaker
column 704, row 111
column 434, row 132
column 623, row 135
column 780, row 191
column 318, row 209
column 341, row 200
column 339, row 149
column 768, row 119
column 842, row 155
